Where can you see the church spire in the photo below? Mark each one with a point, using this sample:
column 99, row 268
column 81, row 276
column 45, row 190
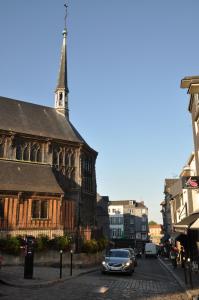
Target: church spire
column 61, row 92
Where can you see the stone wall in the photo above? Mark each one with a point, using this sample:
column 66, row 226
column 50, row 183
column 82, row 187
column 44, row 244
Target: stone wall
column 52, row 258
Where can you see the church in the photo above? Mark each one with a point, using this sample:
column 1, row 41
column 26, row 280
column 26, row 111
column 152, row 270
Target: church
column 47, row 170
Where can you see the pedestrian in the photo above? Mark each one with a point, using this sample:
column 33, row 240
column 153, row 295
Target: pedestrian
column 173, row 256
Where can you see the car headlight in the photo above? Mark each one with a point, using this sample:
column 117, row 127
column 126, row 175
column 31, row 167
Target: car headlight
column 104, row 263
column 127, row 263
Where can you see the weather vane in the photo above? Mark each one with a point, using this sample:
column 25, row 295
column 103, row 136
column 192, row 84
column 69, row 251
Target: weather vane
column 66, row 6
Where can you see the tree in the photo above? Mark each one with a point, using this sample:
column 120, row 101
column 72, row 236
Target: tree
column 152, row 223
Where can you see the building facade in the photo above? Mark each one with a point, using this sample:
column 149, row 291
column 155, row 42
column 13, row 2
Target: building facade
column 129, row 220
column 116, row 220
column 47, row 170
column 155, row 233
column 184, row 192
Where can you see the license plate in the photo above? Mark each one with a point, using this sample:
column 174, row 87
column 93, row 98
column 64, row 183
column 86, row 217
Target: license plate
column 115, row 268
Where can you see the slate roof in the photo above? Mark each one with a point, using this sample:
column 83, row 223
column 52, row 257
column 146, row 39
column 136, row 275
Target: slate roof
column 62, row 79
column 28, row 118
column 28, row 177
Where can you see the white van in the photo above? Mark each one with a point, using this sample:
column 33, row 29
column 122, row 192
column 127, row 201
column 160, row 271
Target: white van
column 150, row 250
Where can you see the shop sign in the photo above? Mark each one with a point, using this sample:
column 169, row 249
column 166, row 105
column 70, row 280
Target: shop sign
column 190, row 182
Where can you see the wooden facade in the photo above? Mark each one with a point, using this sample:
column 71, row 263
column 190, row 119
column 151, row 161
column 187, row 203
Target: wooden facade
column 17, row 216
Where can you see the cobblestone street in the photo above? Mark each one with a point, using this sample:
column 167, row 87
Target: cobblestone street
column 150, row 281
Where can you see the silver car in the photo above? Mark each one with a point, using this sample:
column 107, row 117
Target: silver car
column 133, row 255
column 118, row 261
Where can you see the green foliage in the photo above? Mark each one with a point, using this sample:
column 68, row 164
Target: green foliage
column 90, row 246
column 152, row 223
column 10, row 245
column 60, row 243
column 102, row 244
column 41, row 243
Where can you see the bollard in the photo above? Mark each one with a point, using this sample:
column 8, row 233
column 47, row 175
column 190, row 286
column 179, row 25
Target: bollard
column 60, row 264
column 190, row 274
column 71, row 262
column 185, row 272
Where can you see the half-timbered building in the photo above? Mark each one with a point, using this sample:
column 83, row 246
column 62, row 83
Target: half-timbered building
column 47, row 170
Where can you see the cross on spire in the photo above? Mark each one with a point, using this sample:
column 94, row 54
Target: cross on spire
column 66, row 6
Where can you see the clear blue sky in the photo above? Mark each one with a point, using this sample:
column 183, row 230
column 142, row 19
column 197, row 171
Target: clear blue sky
column 125, row 62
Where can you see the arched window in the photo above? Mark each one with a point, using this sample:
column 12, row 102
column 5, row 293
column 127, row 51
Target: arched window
column 72, row 160
column 60, row 159
column 26, row 153
column 1, row 150
column 19, row 152
column 67, row 159
column 55, row 158
column 39, row 155
column 33, row 154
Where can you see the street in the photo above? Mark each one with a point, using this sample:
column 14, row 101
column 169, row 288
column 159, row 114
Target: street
column 150, row 281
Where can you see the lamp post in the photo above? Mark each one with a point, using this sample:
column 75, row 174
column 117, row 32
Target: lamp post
column 60, row 264
column 71, row 262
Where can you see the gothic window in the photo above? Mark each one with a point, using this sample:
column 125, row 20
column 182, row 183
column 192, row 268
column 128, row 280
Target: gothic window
column 87, row 174
column 55, row 158
column 39, row 155
column 19, row 154
column 72, row 160
column 35, row 153
column 39, row 209
column 1, row 150
column 26, row 153
column 66, row 160
column 60, row 160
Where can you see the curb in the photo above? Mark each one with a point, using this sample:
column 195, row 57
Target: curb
column 49, row 282
column 180, row 282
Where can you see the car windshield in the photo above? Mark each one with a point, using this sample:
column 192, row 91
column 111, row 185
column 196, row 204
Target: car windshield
column 118, row 253
column 130, row 250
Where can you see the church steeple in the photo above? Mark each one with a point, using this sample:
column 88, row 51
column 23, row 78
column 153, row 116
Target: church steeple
column 61, row 92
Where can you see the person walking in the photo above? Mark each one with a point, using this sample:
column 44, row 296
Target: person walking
column 173, row 256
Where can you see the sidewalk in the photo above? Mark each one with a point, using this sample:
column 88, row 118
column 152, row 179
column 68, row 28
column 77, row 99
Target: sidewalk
column 42, row 276
column 178, row 273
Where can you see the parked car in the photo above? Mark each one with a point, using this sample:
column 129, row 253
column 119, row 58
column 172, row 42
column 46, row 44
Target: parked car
column 118, row 261
column 133, row 255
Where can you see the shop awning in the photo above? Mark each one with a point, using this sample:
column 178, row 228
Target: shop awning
column 195, row 225
column 186, row 223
